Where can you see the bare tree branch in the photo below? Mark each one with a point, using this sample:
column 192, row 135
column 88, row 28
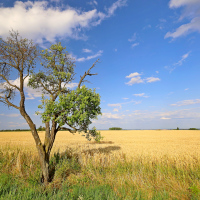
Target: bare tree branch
column 7, row 102
column 9, row 82
column 87, row 74
column 68, row 129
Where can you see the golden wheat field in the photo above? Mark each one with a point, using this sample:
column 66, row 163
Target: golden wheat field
column 154, row 143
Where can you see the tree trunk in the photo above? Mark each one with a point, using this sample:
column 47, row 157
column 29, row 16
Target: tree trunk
column 44, row 163
column 43, row 154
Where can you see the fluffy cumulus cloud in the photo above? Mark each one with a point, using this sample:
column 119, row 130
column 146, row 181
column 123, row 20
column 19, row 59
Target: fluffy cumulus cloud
column 40, row 21
column 191, row 11
column 152, row 79
column 30, row 92
column 135, row 78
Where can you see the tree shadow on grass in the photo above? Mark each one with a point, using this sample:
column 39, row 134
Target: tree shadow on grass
column 105, row 150
column 68, row 163
column 102, row 142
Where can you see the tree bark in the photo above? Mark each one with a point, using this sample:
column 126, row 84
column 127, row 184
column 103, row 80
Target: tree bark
column 44, row 163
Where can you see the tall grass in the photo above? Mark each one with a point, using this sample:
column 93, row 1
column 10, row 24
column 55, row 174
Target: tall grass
column 99, row 174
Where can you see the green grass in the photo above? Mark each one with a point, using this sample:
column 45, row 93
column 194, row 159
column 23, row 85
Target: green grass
column 98, row 176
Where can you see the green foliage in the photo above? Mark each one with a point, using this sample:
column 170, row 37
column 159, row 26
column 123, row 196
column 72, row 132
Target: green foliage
column 193, row 129
column 76, row 109
column 95, row 134
column 177, row 128
column 41, row 128
column 58, row 68
column 115, row 128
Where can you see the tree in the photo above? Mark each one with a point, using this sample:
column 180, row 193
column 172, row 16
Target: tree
column 60, row 105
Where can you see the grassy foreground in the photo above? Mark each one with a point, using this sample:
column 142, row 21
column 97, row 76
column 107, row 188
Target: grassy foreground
column 99, row 175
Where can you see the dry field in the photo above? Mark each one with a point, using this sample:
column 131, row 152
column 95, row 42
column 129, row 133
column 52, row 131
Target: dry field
column 155, row 143
column 144, row 164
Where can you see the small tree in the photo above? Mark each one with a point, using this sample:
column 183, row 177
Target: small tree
column 74, row 108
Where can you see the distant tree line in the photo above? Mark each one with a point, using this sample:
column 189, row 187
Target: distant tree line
column 14, row 130
column 115, row 128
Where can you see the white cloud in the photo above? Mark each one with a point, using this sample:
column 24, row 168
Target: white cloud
column 165, row 118
column 99, row 53
column 136, row 78
column 125, row 98
column 144, row 119
column 161, row 24
column 33, row 93
column 133, row 75
column 116, row 5
column 186, row 88
column 157, row 72
column 71, row 85
column 115, row 110
column 152, row 79
column 111, row 116
column 135, row 44
column 139, row 95
column 57, row 1
column 178, row 3
column 115, row 105
column 40, row 21
column 192, row 10
column 87, row 50
column 181, row 114
column 133, row 38
column 179, row 63
column 119, row 105
column 186, row 102
column 93, row 3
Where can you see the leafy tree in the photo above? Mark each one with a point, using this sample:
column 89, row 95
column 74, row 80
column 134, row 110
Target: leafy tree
column 60, row 105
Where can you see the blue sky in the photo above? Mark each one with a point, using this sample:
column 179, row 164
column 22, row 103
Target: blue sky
column 148, row 75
